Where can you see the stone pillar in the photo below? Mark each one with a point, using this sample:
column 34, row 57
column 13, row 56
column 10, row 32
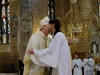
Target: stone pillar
column 31, row 12
column 14, row 17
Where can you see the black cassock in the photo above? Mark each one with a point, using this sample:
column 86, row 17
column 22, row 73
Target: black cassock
column 21, row 67
column 98, row 72
column 98, row 69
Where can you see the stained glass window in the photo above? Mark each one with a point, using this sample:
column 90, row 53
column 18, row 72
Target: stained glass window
column 51, row 9
column 4, row 22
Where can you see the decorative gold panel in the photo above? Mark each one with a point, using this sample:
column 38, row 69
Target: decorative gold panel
column 83, row 45
column 85, row 8
column 61, row 8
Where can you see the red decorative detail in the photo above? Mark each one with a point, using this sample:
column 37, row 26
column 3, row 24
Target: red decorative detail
column 3, row 16
column 75, row 34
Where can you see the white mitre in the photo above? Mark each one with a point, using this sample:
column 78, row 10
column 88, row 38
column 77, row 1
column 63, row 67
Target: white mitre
column 44, row 21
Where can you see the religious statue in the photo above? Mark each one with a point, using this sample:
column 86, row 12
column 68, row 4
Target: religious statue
column 94, row 48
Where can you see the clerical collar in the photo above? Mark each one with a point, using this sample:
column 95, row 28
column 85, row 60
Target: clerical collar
column 87, row 58
column 77, row 59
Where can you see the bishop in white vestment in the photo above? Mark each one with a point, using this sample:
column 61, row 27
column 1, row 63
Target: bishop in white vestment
column 98, row 69
column 36, row 41
column 98, row 66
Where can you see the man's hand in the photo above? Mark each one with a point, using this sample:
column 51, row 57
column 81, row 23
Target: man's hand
column 87, row 64
column 75, row 65
column 30, row 51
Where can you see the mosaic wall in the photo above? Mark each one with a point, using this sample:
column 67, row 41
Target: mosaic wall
column 14, row 10
column 5, row 48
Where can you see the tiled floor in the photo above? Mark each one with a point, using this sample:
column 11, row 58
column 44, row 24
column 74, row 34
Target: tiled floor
column 9, row 74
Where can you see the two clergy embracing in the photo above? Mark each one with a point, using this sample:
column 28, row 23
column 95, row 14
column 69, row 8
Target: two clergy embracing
column 57, row 55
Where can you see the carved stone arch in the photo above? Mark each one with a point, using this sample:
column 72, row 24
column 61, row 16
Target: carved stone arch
column 92, row 14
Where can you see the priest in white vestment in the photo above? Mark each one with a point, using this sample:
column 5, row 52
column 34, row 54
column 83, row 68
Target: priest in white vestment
column 88, row 64
column 36, row 41
column 98, row 69
column 77, row 66
column 57, row 55
column 98, row 66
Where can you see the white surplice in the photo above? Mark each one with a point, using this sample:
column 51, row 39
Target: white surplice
column 98, row 67
column 36, row 41
column 88, row 70
column 57, row 55
column 77, row 70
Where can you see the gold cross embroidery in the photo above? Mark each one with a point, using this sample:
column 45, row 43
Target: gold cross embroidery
column 45, row 42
